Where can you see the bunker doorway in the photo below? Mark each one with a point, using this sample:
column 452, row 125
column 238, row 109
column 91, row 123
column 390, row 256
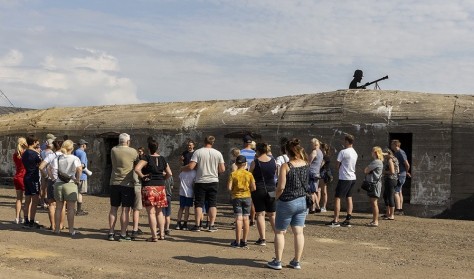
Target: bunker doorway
column 110, row 140
column 406, row 140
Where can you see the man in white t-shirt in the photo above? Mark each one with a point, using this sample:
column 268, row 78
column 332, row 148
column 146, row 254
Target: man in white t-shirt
column 346, row 162
column 208, row 163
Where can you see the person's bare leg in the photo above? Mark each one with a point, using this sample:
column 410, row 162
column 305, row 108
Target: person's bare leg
column 18, row 204
column 51, row 212
column 238, row 228
column 279, row 244
column 198, row 216
column 136, row 219
column 152, row 220
column 58, row 215
column 71, row 211
column 271, row 219
column 34, row 206
column 124, row 220
column 324, row 194
column 298, row 242
column 112, row 218
column 337, row 208
column 246, row 228
column 260, row 217
column 375, row 210
column 161, row 221
column 212, row 215
column 349, row 205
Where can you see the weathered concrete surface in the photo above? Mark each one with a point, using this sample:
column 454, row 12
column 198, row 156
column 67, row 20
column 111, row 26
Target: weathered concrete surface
column 441, row 127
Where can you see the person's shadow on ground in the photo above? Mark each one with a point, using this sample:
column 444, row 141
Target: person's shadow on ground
column 222, row 261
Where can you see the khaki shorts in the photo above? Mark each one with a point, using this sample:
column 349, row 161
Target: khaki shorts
column 137, row 205
column 65, row 191
column 82, row 188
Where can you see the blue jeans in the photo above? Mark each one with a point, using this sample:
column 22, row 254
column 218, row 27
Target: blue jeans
column 290, row 213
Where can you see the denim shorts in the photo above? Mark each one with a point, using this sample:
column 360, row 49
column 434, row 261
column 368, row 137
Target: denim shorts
column 291, row 213
column 167, row 210
column 401, row 180
column 241, row 206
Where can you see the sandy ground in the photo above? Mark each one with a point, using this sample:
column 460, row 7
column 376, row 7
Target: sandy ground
column 405, row 248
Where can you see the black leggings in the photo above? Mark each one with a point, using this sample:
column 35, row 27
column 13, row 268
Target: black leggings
column 389, row 191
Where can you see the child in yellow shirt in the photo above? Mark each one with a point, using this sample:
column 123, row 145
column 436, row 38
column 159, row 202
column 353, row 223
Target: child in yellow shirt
column 240, row 183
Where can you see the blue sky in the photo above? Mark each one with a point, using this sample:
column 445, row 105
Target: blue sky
column 75, row 53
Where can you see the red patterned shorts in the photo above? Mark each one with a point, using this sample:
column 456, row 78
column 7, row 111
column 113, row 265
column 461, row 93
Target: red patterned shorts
column 154, row 196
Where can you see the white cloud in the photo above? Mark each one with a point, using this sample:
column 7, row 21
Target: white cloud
column 230, row 49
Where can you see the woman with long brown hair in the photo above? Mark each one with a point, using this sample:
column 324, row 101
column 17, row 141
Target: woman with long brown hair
column 291, row 203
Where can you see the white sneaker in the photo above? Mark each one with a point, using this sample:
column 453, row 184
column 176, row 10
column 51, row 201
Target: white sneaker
column 17, row 221
column 323, row 209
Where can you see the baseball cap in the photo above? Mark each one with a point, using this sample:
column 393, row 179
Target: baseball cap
column 50, row 136
column 82, row 141
column 240, row 159
column 247, row 139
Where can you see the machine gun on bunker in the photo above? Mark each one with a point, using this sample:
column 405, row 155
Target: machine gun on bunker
column 376, row 82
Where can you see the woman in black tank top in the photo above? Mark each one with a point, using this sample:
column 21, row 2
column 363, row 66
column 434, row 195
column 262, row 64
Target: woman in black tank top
column 263, row 169
column 291, row 203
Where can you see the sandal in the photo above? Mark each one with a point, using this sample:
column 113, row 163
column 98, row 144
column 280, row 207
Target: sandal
column 152, row 239
column 372, row 224
column 162, row 237
column 388, row 218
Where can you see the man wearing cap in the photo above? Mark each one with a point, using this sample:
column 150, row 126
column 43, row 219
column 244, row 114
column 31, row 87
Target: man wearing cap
column 208, row 163
column 80, row 152
column 49, row 138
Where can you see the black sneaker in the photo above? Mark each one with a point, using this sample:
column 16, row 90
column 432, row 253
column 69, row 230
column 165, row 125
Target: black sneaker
column 134, row 235
column 82, row 213
column 261, row 242
column 178, row 226
column 333, row 224
column 243, row 244
column 234, row 244
column 139, row 232
column 34, row 225
column 212, row 229
column 185, row 227
column 346, row 224
column 167, row 232
column 124, row 238
column 252, row 224
column 196, row 229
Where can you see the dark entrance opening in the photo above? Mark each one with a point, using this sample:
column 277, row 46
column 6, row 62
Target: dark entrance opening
column 110, row 140
column 406, row 140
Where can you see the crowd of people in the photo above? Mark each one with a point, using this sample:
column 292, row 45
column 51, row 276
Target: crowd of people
column 283, row 189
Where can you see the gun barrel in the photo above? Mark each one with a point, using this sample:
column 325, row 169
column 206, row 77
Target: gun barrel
column 380, row 79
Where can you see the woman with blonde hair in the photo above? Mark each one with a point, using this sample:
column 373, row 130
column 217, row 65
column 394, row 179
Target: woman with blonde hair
column 19, row 175
column 373, row 173
column 68, row 169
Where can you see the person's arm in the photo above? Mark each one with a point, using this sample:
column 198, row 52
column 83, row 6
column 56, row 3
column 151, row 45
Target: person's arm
column 43, row 166
column 281, row 180
column 138, row 168
column 78, row 174
column 391, row 166
column 253, row 187
column 168, row 171
column 407, row 167
column 229, row 183
column 252, row 166
column 189, row 167
column 221, row 168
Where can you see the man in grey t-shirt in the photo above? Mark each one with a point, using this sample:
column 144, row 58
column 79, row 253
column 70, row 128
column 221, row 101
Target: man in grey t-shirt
column 208, row 163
